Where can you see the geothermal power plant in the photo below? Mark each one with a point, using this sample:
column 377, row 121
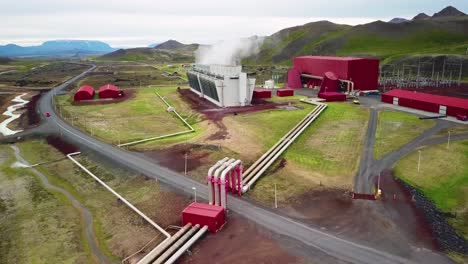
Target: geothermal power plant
column 223, row 85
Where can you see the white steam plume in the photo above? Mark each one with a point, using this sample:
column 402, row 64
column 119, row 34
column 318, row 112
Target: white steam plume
column 228, row 52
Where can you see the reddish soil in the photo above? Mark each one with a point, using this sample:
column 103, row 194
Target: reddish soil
column 390, row 225
column 216, row 114
column 174, row 157
column 62, row 146
column 241, row 241
column 128, row 94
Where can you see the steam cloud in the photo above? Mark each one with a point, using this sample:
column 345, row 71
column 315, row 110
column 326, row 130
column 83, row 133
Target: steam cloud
column 228, row 52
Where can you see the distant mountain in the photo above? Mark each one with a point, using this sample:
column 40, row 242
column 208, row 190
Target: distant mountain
column 175, row 45
column 5, row 60
column 377, row 39
column 398, row 20
column 421, row 16
column 57, row 48
column 153, row 45
column 150, row 54
column 449, row 11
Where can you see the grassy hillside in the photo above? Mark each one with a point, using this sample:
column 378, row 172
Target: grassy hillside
column 149, row 54
column 377, row 39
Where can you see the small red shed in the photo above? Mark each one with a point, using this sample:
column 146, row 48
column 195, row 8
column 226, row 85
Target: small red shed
column 261, row 93
column 85, row 92
column 284, row 92
column 212, row 216
column 109, row 91
column 332, row 96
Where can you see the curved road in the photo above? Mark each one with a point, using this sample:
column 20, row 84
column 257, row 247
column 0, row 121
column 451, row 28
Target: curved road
column 86, row 214
column 344, row 250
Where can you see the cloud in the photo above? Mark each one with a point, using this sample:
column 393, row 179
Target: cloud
column 130, row 30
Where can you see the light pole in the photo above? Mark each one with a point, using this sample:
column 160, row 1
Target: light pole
column 419, row 160
column 195, row 193
column 276, row 198
column 448, row 140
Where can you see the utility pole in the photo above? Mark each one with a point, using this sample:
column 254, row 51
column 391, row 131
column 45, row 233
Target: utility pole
column 185, row 170
column 276, row 198
column 448, row 140
column 419, row 160
column 433, row 68
column 460, row 73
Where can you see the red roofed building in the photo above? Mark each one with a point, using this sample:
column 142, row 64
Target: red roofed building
column 85, row 92
column 363, row 72
column 212, row 216
column 443, row 105
column 109, row 91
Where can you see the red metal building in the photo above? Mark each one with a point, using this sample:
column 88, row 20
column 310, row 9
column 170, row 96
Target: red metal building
column 213, row 216
column 109, row 91
column 363, row 72
column 443, row 105
column 85, row 92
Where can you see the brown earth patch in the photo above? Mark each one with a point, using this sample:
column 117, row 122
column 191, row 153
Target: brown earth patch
column 240, row 241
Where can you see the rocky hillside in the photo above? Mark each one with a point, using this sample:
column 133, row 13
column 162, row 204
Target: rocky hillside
column 175, row 45
column 445, row 33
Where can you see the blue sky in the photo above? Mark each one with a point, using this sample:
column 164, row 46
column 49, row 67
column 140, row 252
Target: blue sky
column 141, row 22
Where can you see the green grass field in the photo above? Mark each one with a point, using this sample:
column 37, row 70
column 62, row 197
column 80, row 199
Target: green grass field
column 36, row 225
column 443, row 178
column 142, row 116
column 395, row 129
column 120, row 232
column 327, row 154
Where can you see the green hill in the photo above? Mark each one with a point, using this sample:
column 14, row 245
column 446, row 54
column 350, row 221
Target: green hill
column 442, row 35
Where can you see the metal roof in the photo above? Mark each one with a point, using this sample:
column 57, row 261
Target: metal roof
column 430, row 98
column 204, row 209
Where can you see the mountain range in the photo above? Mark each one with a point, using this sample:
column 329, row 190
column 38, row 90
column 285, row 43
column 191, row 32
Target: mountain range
column 57, row 48
column 446, row 32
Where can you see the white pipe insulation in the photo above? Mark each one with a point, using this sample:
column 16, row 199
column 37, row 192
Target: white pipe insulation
column 187, row 245
column 211, row 193
column 223, row 186
column 215, row 179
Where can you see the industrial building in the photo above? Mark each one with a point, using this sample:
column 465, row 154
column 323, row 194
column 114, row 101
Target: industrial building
column 443, row 105
column 109, row 91
column 351, row 73
column 85, row 92
column 223, row 85
column 213, row 216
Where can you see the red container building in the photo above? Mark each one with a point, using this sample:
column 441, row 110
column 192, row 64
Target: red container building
column 109, row 91
column 443, row 105
column 85, row 92
column 212, row 216
column 261, row 93
column 363, row 72
column 284, row 92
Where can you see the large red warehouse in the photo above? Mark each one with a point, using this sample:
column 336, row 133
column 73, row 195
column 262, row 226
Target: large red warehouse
column 109, row 91
column 85, row 92
column 443, row 105
column 363, row 72
column 204, row 214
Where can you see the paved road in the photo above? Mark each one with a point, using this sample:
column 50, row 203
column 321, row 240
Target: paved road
column 86, row 214
column 363, row 176
column 369, row 167
column 341, row 249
